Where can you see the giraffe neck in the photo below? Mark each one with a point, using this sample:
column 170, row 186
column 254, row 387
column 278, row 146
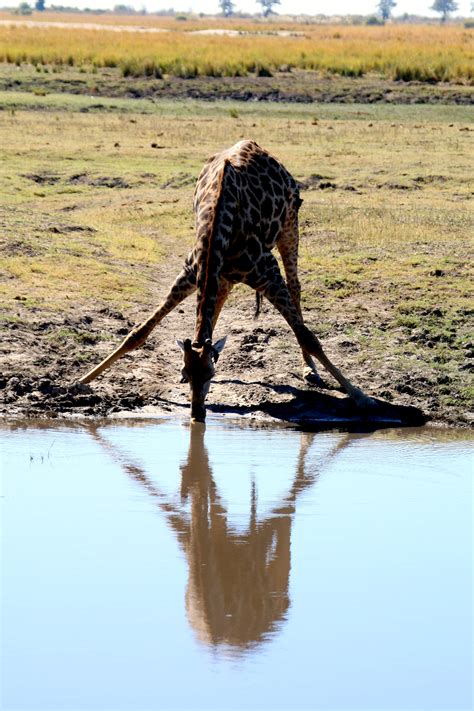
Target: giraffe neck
column 203, row 331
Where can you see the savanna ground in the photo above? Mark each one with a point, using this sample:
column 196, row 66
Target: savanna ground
column 101, row 142
column 97, row 218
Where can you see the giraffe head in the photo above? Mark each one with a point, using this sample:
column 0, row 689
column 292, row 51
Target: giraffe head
column 198, row 370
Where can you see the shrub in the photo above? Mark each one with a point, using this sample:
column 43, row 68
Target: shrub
column 374, row 20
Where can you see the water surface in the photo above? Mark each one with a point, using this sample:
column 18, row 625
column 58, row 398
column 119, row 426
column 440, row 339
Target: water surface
column 153, row 565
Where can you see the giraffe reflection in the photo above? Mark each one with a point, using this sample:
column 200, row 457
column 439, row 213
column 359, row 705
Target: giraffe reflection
column 238, row 581
column 237, row 592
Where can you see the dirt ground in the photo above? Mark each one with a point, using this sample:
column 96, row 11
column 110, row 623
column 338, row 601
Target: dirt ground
column 383, row 264
column 299, row 87
column 259, row 375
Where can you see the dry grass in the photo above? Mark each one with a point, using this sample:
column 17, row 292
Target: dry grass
column 90, row 188
column 425, row 53
column 385, row 252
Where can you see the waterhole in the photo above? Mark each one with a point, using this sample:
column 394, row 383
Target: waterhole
column 153, row 565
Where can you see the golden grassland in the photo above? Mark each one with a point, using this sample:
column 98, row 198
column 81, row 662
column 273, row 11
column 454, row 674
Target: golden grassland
column 425, row 53
column 96, row 210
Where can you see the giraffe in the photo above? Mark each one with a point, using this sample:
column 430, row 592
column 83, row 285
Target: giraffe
column 245, row 204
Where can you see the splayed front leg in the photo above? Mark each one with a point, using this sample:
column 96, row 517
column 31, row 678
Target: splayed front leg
column 184, row 285
column 135, row 339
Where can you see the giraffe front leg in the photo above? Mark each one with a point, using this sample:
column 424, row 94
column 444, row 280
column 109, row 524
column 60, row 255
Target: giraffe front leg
column 273, row 287
column 184, row 285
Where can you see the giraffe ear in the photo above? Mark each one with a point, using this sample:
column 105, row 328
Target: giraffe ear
column 184, row 345
column 218, row 347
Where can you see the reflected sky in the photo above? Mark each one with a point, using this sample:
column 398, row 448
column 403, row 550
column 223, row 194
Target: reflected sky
column 153, row 565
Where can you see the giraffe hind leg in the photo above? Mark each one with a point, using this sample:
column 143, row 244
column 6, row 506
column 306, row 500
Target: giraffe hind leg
column 274, row 288
column 184, row 285
column 225, row 287
column 288, row 248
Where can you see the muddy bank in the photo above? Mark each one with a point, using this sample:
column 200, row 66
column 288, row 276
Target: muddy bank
column 293, row 87
column 258, row 376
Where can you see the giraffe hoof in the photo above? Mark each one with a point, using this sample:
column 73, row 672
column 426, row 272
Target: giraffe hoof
column 364, row 402
column 313, row 378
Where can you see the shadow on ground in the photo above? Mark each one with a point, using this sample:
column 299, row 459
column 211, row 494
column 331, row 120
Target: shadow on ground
column 316, row 409
column 288, row 404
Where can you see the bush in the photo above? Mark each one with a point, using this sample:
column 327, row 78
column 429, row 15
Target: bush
column 374, row 20
column 23, row 9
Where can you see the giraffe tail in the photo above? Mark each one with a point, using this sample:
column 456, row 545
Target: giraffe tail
column 258, row 304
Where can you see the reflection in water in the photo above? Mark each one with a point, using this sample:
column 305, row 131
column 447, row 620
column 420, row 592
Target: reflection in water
column 238, row 582
column 138, row 540
column 237, row 592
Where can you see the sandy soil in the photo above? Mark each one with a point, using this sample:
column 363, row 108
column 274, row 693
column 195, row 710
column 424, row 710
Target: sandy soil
column 216, row 31
column 32, row 24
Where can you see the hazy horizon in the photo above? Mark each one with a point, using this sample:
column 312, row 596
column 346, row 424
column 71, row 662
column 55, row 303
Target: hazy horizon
column 287, row 7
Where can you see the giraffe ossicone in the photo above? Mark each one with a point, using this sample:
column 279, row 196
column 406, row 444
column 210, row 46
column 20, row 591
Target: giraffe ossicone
column 246, row 203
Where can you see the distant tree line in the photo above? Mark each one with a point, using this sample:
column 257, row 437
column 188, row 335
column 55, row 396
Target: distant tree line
column 227, row 7
column 443, row 7
column 385, row 7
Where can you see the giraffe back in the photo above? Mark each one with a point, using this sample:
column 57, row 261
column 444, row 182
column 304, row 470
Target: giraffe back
column 243, row 200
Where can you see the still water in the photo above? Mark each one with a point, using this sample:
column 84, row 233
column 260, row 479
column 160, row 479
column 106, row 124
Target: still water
column 153, row 565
